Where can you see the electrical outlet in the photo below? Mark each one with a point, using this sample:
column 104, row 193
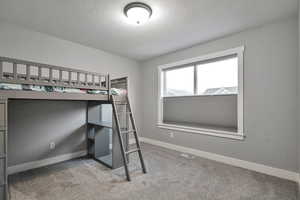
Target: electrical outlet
column 52, row 145
column 171, row 134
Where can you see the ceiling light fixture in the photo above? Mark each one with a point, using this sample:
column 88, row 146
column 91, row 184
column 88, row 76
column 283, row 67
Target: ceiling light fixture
column 137, row 12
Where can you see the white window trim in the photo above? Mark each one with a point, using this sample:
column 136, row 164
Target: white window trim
column 239, row 135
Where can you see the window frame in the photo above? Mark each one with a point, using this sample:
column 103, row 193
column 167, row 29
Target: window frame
column 239, row 53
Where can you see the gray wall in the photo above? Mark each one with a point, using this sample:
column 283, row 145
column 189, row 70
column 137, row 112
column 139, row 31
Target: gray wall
column 205, row 110
column 270, row 96
column 21, row 43
column 33, row 125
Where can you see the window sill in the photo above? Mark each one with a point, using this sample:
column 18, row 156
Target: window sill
column 207, row 95
column 203, row 131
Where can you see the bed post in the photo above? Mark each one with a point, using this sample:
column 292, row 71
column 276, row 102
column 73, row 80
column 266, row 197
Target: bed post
column 3, row 149
column 1, row 69
column 108, row 86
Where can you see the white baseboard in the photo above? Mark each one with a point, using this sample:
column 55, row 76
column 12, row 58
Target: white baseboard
column 41, row 163
column 281, row 173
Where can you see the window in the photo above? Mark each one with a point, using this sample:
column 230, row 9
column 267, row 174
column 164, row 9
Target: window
column 216, row 74
column 179, row 82
column 213, row 77
column 218, row 77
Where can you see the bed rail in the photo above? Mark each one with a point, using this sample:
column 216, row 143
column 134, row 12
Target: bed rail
column 25, row 72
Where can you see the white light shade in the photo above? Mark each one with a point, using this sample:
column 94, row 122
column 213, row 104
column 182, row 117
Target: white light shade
column 137, row 13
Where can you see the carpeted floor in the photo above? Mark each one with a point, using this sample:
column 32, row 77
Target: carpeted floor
column 171, row 177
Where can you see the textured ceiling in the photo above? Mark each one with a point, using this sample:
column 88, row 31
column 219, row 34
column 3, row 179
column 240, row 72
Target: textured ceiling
column 175, row 24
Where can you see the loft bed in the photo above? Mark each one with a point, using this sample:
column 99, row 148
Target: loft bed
column 20, row 79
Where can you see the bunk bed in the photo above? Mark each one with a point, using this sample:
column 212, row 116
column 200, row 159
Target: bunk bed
column 20, row 79
column 14, row 71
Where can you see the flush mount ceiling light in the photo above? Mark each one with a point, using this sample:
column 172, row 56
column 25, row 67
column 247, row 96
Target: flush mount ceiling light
column 137, row 12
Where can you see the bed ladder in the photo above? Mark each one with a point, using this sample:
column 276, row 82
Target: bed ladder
column 125, row 153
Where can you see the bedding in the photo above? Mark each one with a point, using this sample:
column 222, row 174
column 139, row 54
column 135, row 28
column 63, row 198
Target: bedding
column 33, row 88
column 74, row 90
column 8, row 86
column 96, row 92
column 118, row 91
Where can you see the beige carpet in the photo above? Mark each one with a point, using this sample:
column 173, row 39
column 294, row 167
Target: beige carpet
column 170, row 177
